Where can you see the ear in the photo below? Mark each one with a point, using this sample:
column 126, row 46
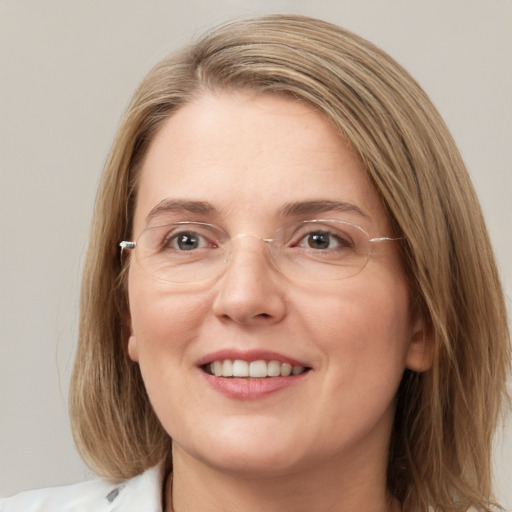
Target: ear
column 420, row 355
column 133, row 348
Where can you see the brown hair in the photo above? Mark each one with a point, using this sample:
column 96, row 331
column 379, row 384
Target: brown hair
column 441, row 442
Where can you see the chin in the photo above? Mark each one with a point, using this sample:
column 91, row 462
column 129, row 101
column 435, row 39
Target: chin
column 267, row 453
column 255, row 463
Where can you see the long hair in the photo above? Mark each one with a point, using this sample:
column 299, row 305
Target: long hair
column 440, row 449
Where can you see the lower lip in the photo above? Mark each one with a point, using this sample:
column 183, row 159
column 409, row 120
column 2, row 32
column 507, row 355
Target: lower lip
column 252, row 389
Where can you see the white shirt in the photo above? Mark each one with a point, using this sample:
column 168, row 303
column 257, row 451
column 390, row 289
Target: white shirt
column 142, row 493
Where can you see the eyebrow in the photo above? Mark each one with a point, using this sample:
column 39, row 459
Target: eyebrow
column 178, row 206
column 291, row 209
column 320, row 206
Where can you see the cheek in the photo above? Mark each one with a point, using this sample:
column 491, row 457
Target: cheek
column 364, row 330
column 166, row 326
column 162, row 321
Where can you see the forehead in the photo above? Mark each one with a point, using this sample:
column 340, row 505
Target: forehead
column 248, row 154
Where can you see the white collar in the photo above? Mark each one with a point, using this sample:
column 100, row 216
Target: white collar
column 142, row 493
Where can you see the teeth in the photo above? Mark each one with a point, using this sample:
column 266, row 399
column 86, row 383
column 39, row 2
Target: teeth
column 286, row 369
column 216, row 368
column 240, row 368
column 227, row 368
column 258, row 369
column 274, row 369
column 255, row 369
column 297, row 369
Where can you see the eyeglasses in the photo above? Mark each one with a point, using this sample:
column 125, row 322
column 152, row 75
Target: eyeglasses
column 315, row 250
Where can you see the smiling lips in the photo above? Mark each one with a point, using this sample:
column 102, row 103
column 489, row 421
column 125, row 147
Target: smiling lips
column 251, row 374
column 259, row 369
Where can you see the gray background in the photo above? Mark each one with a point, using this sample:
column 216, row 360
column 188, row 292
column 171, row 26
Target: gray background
column 67, row 70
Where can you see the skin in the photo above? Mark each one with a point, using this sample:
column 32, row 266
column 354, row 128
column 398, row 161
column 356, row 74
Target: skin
column 319, row 444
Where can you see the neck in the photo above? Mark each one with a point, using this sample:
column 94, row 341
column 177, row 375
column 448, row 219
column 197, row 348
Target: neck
column 197, row 487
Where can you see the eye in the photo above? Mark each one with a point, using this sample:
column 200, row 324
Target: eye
column 187, row 241
column 323, row 240
column 179, row 238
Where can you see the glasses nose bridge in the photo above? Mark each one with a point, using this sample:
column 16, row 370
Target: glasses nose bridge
column 240, row 237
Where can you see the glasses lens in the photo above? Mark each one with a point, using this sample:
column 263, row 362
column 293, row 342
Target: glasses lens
column 321, row 250
column 191, row 252
column 182, row 252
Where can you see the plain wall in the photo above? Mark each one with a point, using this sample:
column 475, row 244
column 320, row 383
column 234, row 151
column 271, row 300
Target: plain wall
column 67, row 70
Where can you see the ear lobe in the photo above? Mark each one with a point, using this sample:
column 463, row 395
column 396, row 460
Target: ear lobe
column 420, row 355
column 133, row 348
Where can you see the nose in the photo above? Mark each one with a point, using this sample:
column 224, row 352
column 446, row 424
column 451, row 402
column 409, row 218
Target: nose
column 251, row 291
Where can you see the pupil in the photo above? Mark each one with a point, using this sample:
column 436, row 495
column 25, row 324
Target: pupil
column 187, row 242
column 319, row 241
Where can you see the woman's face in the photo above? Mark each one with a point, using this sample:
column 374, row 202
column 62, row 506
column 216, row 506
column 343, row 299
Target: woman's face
column 249, row 164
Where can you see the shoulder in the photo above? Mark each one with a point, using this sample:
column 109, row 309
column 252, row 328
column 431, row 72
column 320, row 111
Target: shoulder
column 142, row 493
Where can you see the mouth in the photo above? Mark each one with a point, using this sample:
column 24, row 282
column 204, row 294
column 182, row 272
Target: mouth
column 259, row 369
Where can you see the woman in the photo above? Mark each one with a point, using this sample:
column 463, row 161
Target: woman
column 290, row 300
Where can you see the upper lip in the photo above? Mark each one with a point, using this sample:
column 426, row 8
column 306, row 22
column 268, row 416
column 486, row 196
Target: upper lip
column 248, row 355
